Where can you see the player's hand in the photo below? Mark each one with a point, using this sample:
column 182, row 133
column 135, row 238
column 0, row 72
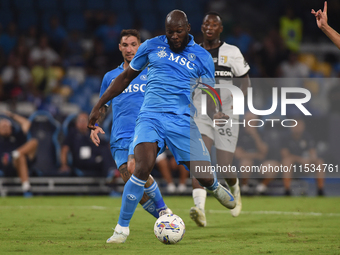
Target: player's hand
column 321, row 16
column 94, row 116
column 94, row 135
column 220, row 115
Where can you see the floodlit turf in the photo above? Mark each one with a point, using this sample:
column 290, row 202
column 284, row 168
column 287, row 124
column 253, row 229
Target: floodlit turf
column 80, row 225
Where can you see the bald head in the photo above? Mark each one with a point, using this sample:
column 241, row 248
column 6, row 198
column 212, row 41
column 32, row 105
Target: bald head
column 176, row 17
column 177, row 30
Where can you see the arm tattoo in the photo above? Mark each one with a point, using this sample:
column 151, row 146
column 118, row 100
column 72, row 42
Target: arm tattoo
column 103, row 111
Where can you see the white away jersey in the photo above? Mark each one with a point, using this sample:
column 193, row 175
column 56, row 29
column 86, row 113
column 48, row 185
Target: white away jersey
column 229, row 63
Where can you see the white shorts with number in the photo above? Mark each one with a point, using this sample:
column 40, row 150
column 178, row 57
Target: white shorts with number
column 225, row 138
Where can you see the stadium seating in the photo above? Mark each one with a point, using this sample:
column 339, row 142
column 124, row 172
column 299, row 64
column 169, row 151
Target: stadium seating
column 68, row 123
column 75, row 21
column 49, row 5
column 119, row 6
column 146, row 6
column 23, row 4
column 5, row 17
column 125, row 20
column 71, row 6
column 5, row 4
column 165, row 6
column 96, row 4
column 26, row 19
column 46, row 129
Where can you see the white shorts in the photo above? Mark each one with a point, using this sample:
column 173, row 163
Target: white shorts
column 225, row 138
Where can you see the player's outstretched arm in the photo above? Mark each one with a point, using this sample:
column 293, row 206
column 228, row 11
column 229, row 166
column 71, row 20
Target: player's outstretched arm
column 116, row 87
column 321, row 21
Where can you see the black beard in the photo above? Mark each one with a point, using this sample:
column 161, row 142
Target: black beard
column 183, row 45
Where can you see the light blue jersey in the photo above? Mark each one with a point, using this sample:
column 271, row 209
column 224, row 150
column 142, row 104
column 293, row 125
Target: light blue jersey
column 171, row 76
column 125, row 109
column 165, row 114
column 126, row 106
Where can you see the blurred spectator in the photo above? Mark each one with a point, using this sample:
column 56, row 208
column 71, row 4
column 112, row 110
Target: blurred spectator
column 46, row 78
column 87, row 158
column 31, row 38
column 8, row 40
column 16, row 152
column 56, row 34
column 94, row 19
column 291, row 30
column 241, row 39
column 21, row 51
column 272, row 53
column 16, row 79
column 98, row 61
column 43, row 54
column 292, row 68
column 299, row 148
column 144, row 33
column 109, row 33
column 250, row 150
column 73, row 51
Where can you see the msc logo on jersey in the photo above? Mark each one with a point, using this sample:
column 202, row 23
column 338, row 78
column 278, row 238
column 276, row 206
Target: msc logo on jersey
column 162, row 53
column 224, row 59
column 144, row 77
column 191, row 56
column 181, row 60
column 135, row 88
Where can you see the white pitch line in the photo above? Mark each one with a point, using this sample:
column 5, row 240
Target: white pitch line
column 95, row 207
column 282, row 213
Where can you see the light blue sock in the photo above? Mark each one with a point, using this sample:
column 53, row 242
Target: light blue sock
column 132, row 194
column 154, row 193
column 150, row 207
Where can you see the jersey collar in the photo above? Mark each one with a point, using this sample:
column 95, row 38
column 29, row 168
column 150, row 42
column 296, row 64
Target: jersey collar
column 121, row 66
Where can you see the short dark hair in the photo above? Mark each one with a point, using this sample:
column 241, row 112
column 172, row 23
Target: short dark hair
column 213, row 13
column 129, row 32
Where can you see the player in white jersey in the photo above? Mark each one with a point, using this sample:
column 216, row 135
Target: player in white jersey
column 229, row 63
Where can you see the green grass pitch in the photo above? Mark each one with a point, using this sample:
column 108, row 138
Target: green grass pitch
column 81, row 225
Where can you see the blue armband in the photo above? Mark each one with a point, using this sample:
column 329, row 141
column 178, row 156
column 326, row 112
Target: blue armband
column 96, row 125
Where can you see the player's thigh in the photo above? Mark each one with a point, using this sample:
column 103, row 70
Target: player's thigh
column 150, row 129
column 207, row 131
column 226, row 137
column 185, row 141
column 145, row 158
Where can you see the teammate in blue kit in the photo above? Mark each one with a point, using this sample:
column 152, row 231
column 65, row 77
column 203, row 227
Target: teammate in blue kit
column 125, row 109
column 175, row 62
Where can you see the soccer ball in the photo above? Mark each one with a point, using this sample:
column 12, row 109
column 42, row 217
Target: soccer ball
column 169, row 229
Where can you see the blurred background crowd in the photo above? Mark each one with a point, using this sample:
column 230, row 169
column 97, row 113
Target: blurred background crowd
column 53, row 55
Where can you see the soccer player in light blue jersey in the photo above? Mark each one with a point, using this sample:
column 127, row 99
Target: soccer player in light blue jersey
column 174, row 61
column 125, row 109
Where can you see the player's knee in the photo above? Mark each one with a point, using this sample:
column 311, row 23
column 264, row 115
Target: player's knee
column 131, row 166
